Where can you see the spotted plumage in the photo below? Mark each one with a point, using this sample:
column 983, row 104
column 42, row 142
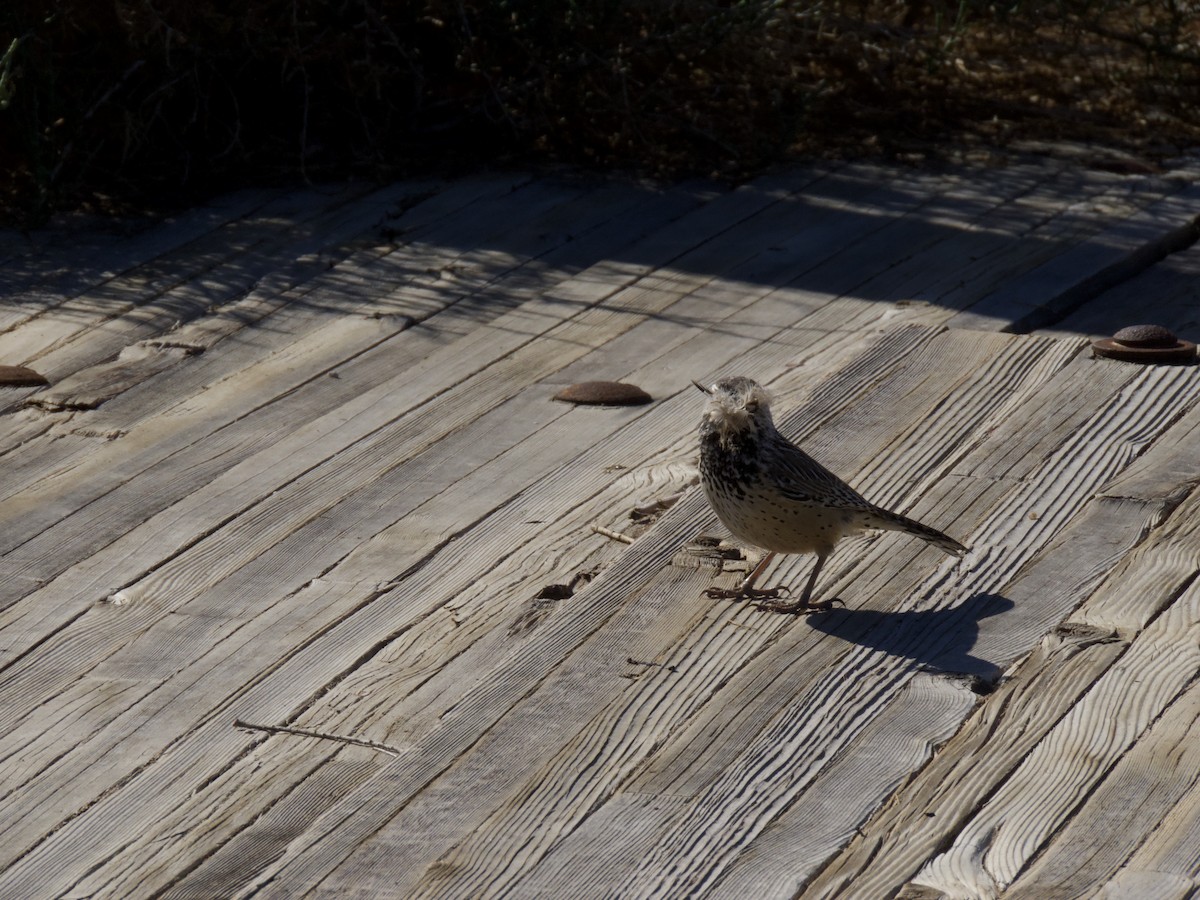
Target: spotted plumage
column 770, row 493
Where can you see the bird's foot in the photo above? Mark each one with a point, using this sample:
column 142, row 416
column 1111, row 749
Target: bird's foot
column 742, row 594
column 803, row 605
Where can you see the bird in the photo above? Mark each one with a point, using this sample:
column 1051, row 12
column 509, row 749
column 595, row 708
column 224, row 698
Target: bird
column 771, row 494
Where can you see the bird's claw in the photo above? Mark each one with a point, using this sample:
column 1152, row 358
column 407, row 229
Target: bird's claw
column 742, row 594
column 800, row 606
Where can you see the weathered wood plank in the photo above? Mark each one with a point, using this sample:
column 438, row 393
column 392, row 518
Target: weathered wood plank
column 265, row 261
column 928, row 710
column 1054, row 217
column 1149, row 883
column 1090, row 549
column 293, row 346
column 969, row 242
column 928, row 812
column 892, row 846
column 273, row 306
column 1129, row 803
column 377, row 576
column 1150, row 574
column 273, row 697
column 452, row 573
column 1070, row 279
column 100, row 324
column 270, row 274
column 331, row 656
column 31, row 337
column 935, row 238
column 45, row 281
column 999, row 840
column 229, row 402
column 91, row 387
column 1163, row 294
column 1167, row 469
column 547, row 787
column 365, row 684
column 1165, row 864
column 1036, row 199
column 684, row 829
column 406, row 659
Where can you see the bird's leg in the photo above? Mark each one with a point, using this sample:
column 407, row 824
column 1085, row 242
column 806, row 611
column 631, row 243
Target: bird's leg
column 746, row 590
column 803, row 604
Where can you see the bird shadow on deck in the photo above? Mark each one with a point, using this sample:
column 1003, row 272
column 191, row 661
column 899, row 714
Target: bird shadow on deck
column 937, row 640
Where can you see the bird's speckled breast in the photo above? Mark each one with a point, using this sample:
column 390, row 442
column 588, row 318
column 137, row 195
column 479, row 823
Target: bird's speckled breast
column 753, row 510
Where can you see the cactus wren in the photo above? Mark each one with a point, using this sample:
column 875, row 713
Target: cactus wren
column 772, row 494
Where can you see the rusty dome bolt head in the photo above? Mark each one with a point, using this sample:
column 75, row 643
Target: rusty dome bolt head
column 604, row 393
column 1145, row 344
column 1145, row 336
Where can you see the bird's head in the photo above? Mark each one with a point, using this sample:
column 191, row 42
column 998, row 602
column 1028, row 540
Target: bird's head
column 736, row 406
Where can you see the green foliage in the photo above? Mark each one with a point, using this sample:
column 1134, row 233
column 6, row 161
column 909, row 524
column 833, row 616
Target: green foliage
column 142, row 99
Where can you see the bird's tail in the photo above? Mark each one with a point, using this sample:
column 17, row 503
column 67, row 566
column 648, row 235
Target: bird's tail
column 895, row 522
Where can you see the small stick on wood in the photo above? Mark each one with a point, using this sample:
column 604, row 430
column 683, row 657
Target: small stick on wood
column 302, row 732
column 615, row 535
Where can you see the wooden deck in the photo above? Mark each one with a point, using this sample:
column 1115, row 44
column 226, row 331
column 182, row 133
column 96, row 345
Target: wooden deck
column 301, row 593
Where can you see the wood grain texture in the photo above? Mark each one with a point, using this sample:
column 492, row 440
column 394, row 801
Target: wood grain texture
column 1068, row 280
column 895, row 842
column 1064, row 769
column 724, row 803
column 111, row 301
column 318, row 283
column 1145, row 785
column 325, row 492
column 1163, row 294
column 927, row 712
column 1034, row 220
column 434, row 578
column 929, row 810
column 1166, row 860
column 42, row 282
column 1167, row 468
column 253, row 424
column 466, row 461
column 1136, row 589
column 251, row 291
column 433, row 574
column 525, row 810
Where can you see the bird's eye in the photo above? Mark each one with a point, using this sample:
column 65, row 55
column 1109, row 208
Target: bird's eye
column 751, row 406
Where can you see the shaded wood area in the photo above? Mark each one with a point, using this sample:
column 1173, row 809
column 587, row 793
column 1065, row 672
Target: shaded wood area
column 310, row 589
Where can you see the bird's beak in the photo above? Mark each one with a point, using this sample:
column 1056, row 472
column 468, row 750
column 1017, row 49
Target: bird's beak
column 701, row 387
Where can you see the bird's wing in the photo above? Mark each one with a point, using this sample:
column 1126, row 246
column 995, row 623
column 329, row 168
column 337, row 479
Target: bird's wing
column 801, row 478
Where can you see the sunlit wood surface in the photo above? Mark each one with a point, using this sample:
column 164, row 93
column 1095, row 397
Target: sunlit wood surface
column 310, row 589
